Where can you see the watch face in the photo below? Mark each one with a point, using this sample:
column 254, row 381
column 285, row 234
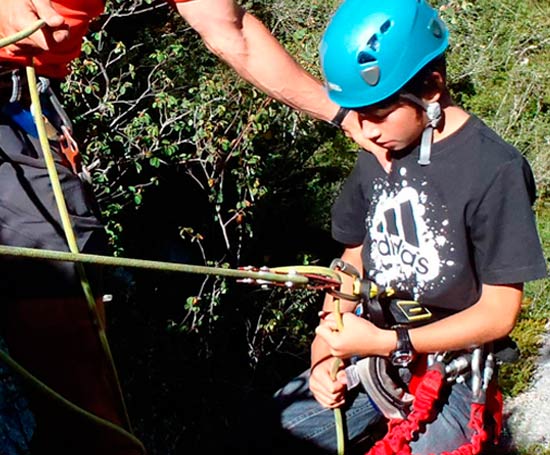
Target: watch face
column 402, row 358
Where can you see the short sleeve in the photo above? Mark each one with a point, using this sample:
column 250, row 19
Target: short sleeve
column 350, row 210
column 506, row 244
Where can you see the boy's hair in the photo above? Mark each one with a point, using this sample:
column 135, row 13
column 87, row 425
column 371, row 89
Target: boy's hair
column 422, row 82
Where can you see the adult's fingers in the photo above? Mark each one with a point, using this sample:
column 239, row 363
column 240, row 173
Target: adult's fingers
column 45, row 10
column 56, row 29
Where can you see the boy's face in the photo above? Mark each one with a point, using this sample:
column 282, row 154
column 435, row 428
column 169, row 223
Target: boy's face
column 393, row 124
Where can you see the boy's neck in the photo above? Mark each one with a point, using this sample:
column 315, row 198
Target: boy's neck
column 453, row 119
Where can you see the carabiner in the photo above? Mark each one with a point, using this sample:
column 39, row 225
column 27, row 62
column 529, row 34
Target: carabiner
column 347, row 269
column 478, row 395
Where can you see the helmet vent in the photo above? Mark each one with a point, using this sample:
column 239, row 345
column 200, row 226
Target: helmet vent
column 435, row 28
column 365, row 57
column 385, row 26
column 373, row 43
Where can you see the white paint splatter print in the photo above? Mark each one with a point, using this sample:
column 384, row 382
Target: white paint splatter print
column 405, row 242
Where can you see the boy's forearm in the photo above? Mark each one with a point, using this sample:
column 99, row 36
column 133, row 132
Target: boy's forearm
column 319, row 352
column 491, row 318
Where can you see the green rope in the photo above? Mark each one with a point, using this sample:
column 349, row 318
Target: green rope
column 71, row 240
column 22, row 34
column 276, row 275
column 287, row 275
column 69, row 406
column 336, row 363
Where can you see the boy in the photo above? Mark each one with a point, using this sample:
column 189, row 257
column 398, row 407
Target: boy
column 443, row 215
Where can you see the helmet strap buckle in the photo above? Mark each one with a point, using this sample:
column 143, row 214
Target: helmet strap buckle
column 433, row 112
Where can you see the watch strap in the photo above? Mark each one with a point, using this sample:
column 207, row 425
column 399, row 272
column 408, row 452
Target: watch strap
column 403, row 339
column 339, row 117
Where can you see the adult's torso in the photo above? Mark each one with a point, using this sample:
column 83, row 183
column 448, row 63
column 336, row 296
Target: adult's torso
column 54, row 63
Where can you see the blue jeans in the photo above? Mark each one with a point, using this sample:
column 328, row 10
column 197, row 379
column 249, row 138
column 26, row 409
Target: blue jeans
column 306, row 419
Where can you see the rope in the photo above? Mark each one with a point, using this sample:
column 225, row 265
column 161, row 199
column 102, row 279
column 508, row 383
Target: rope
column 70, row 235
column 71, row 241
column 22, row 34
column 282, row 275
column 337, row 362
column 34, row 382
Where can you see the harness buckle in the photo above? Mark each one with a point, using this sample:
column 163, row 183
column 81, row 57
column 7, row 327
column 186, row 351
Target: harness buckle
column 410, row 309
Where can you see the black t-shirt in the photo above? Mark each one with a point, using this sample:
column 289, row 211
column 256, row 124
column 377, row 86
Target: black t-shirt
column 440, row 231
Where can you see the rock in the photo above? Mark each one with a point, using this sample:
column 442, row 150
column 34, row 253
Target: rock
column 527, row 416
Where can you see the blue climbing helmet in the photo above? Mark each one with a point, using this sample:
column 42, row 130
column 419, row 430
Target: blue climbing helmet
column 372, row 48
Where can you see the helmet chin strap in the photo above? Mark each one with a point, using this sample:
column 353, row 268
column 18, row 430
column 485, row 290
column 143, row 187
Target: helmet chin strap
column 433, row 112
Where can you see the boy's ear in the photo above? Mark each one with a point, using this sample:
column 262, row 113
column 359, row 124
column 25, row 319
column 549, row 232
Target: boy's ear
column 433, row 87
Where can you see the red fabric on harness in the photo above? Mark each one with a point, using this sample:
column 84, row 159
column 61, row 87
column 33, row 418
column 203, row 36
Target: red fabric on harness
column 54, row 63
column 400, row 432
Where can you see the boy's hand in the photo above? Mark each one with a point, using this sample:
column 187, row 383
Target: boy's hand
column 358, row 337
column 17, row 15
column 328, row 392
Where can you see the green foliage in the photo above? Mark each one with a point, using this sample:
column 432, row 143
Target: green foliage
column 534, row 450
column 515, row 378
column 154, row 100
column 284, row 326
column 498, row 69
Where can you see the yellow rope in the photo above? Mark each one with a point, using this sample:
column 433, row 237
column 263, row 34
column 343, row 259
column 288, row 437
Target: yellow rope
column 71, row 240
column 337, row 362
column 34, row 382
column 70, row 235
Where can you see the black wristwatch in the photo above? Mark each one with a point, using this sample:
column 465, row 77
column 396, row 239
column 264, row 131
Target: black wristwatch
column 404, row 353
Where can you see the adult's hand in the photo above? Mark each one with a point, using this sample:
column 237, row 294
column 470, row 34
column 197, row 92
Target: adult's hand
column 351, row 125
column 17, row 15
column 328, row 392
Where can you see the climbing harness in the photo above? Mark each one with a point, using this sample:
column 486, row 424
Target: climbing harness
column 486, row 404
column 408, row 399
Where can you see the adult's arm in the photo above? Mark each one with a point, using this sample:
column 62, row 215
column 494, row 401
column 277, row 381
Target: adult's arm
column 17, row 15
column 243, row 42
